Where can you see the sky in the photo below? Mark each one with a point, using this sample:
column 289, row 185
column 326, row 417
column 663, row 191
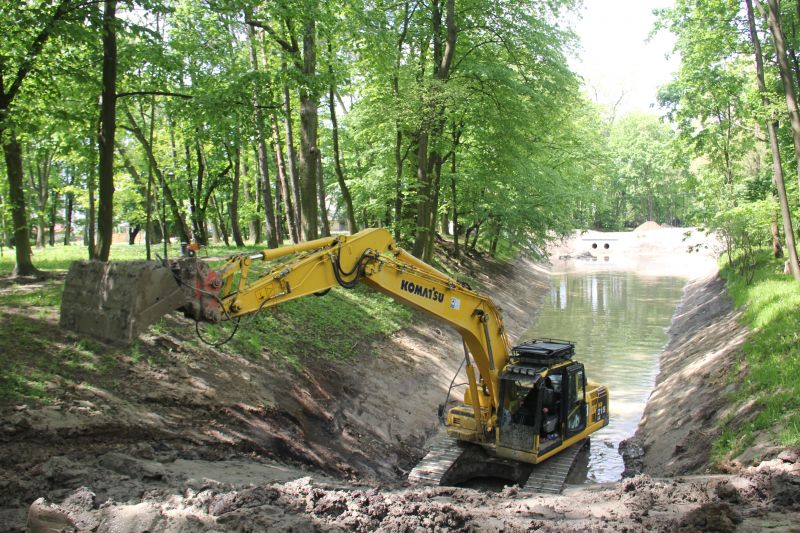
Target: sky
column 616, row 60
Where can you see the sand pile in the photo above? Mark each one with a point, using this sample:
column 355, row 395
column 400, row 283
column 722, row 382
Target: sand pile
column 647, row 226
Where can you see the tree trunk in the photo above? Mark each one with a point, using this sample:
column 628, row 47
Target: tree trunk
column 91, row 218
column 4, row 240
column 467, row 234
column 398, row 141
column 108, row 126
column 398, row 183
column 266, row 193
column 337, row 164
column 234, row 205
column 474, row 243
column 423, row 193
column 149, row 233
column 220, row 221
column 39, row 180
column 495, row 240
column 777, row 249
column 435, row 181
column 294, row 175
column 253, row 223
column 280, row 164
column 309, row 149
column 323, row 208
column 454, row 198
column 443, row 58
column 68, row 205
column 263, row 159
column 777, row 169
column 133, row 231
column 39, row 184
column 12, row 152
column 773, row 20
column 53, row 209
column 279, row 209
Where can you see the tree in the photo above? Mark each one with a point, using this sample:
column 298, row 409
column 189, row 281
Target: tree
column 17, row 60
column 779, row 40
column 772, row 129
column 108, row 127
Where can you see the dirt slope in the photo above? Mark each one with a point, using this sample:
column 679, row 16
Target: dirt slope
column 175, row 414
column 690, row 401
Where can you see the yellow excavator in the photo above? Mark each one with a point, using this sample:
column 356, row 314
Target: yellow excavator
column 523, row 404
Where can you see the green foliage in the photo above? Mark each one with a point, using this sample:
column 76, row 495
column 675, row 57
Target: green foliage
column 744, row 229
column 645, row 181
column 771, row 356
column 333, row 327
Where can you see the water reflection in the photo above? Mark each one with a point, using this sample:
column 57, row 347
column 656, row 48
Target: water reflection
column 619, row 322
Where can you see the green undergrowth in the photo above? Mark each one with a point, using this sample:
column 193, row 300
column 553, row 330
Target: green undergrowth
column 33, row 352
column 770, row 358
column 333, row 327
column 59, row 257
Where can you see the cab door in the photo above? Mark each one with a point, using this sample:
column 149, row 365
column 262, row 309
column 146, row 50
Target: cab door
column 575, row 400
column 519, row 419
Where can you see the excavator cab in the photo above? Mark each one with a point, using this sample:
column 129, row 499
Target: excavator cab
column 542, row 399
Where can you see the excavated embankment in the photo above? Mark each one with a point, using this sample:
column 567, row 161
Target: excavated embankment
column 183, row 418
column 691, row 399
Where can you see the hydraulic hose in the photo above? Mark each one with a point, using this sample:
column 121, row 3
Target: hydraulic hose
column 358, row 270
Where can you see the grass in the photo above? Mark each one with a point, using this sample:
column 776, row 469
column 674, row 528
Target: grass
column 336, row 327
column 32, row 358
column 770, row 356
column 59, row 257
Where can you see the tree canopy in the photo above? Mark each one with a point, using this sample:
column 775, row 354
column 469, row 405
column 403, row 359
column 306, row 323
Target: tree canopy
column 268, row 121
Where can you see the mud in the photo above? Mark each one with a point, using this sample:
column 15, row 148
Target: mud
column 760, row 498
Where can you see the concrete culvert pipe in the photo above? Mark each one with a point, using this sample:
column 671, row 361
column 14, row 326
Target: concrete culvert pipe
column 606, row 246
column 594, row 245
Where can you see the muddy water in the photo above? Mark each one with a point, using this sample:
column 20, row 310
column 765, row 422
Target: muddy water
column 619, row 323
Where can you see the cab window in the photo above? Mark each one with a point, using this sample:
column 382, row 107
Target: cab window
column 577, row 388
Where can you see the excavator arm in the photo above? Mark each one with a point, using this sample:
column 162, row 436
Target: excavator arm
column 373, row 258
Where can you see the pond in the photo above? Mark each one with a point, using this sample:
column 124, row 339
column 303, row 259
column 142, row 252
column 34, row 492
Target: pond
column 619, row 322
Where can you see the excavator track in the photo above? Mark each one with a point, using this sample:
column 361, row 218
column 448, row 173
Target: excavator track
column 444, row 452
column 549, row 477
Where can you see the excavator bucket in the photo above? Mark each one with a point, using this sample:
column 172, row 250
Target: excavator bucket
column 117, row 301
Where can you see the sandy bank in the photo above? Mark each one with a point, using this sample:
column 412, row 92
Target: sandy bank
column 648, row 251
